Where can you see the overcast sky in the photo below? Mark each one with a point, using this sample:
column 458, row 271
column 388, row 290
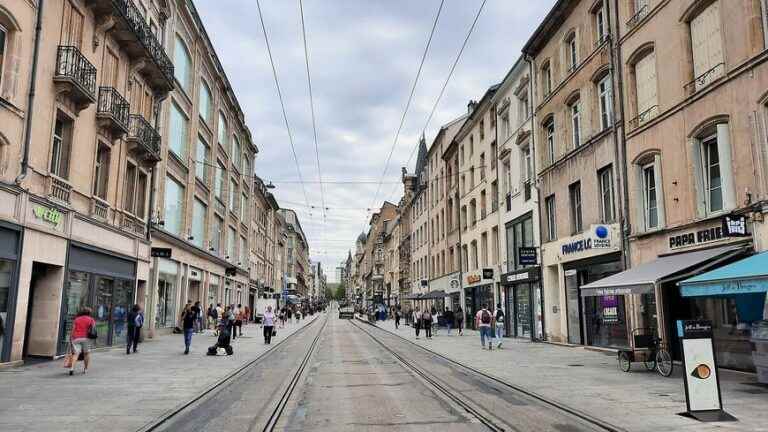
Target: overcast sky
column 363, row 59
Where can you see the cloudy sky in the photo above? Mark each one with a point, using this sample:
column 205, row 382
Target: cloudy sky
column 363, row 58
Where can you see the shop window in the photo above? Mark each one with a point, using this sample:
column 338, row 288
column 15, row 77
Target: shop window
column 551, row 218
column 605, row 180
column 707, row 46
column 6, row 273
column 204, row 103
column 199, row 210
column 61, row 146
column 519, row 234
column 574, row 109
column 167, row 281
column 202, row 159
column 574, row 191
column 605, row 101
column 101, row 171
column 174, row 206
column 177, row 139
column 182, row 64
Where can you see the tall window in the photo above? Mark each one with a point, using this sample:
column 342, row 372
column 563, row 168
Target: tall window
column 523, row 107
column 232, row 195
column 484, row 249
column 600, row 24
column 101, row 171
column 140, row 209
column 71, row 26
column 231, row 243
column 549, row 130
column 223, row 132
column 650, row 204
column 3, row 43
column 61, row 146
column 574, row 191
column 526, row 171
column 575, row 110
column 202, row 156
column 712, row 178
column 182, row 64
column 244, row 206
column 198, row 223
column 204, row 104
column 549, row 203
column 571, row 52
column 174, row 206
column 707, row 45
column 219, row 185
column 129, row 196
column 216, row 234
column 243, row 251
column 605, row 102
column 505, row 127
column 546, row 79
column 519, row 234
column 645, row 86
column 235, row 153
column 605, row 179
column 177, row 141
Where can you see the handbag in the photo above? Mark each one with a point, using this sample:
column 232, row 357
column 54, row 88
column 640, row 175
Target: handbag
column 274, row 332
column 68, row 360
column 92, row 334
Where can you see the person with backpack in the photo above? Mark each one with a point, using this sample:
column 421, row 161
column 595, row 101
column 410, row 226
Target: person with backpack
column 188, row 318
column 483, row 320
column 498, row 316
column 135, row 323
column 417, row 320
column 448, row 317
column 426, row 322
column 459, row 317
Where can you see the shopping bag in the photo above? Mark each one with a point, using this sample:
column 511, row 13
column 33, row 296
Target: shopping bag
column 68, row 360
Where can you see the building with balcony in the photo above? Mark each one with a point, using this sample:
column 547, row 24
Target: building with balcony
column 419, row 212
column 297, row 255
column 79, row 146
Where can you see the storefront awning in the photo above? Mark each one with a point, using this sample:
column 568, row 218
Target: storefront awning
column 642, row 278
column 747, row 276
column 434, row 295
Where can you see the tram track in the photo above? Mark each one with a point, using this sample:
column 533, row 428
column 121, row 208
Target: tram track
column 488, row 419
column 163, row 421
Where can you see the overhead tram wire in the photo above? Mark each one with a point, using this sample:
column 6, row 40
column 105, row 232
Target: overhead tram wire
column 312, row 104
column 410, row 99
column 445, row 84
column 282, row 103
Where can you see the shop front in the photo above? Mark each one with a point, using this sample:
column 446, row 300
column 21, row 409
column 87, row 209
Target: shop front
column 524, row 304
column 9, row 256
column 104, row 282
column 479, row 292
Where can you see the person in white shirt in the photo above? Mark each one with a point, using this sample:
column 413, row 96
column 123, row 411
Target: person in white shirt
column 417, row 321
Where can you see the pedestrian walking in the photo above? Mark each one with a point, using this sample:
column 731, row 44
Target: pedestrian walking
column 238, row 321
column 417, row 321
column 229, row 317
column 483, row 320
column 212, row 317
column 397, row 318
column 135, row 323
column 433, row 322
column 188, row 318
column 268, row 323
column 197, row 309
column 281, row 317
column 426, row 322
column 83, row 330
column 289, row 315
column 498, row 317
column 459, row 319
column 448, row 317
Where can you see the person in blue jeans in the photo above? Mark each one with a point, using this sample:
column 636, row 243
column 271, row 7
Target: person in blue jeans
column 483, row 320
column 188, row 318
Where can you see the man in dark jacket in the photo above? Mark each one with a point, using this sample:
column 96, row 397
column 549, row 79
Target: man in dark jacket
column 448, row 317
column 135, row 323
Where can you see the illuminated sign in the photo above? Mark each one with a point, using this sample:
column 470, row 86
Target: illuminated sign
column 50, row 215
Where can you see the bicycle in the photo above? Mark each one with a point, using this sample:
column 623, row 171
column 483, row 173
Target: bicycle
column 650, row 349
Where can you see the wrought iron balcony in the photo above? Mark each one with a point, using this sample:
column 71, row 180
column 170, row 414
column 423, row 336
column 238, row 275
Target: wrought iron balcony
column 643, row 117
column 705, row 79
column 113, row 111
column 129, row 27
column 75, row 77
column 143, row 140
column 638, row 16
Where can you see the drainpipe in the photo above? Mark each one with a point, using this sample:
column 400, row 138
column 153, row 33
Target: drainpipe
column 31, row 95
column 153, row 172
column 620, row 148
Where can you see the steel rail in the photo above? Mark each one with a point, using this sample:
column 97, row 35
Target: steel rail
column 160, row 421
column 553, row 403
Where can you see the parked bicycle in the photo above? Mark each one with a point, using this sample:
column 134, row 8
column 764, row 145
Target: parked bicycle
column 649, row 349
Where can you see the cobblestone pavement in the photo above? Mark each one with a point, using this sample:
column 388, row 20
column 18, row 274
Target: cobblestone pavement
column 591, row 382
column 120, row 392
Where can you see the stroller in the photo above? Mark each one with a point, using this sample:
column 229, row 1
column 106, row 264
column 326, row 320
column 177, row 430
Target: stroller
column 224, row 341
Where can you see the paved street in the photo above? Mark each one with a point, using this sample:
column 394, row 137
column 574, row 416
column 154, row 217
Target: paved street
column 591, row 382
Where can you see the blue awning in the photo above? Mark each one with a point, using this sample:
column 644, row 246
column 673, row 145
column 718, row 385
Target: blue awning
column 747, row 276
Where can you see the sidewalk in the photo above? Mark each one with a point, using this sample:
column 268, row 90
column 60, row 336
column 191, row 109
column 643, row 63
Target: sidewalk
column 121, row 392
column 591, row 382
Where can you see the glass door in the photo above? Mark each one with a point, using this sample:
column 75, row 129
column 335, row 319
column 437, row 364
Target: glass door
column 523, row 310
column 6, row 276
column 76, row 294
column 123, row 301
column 102, row 310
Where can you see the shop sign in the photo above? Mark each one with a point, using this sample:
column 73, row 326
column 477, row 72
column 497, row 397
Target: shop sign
column 702, row 387
column 526, row 255
column 610, row 308
column 487, row 273
column 735, row 226
column 517, row 277
column 601, row 237
column 158, row 252
column 454, row 284
column 704, row 236
column 471, row 279
column 47, row 214
column 577, row 246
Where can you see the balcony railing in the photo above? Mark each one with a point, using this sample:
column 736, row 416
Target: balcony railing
column 113, row 109
column 99, row 209
column 132, row 224
column 643, row 117
column 76, row 76
column 638, row 16
column 143, row 139
column 137, row 24
column 705, row 79
column 58, row 189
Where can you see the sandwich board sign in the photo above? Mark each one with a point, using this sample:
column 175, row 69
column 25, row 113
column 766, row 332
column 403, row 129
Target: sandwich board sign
column 702, row 385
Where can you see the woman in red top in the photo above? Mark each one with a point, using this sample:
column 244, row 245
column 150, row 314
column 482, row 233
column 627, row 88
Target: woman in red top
column 79, row 338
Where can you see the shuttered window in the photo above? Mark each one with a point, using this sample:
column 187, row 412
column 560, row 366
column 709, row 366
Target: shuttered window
column 111, row 64
column 706, row 43
column 71, row 26
column 645, row 81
